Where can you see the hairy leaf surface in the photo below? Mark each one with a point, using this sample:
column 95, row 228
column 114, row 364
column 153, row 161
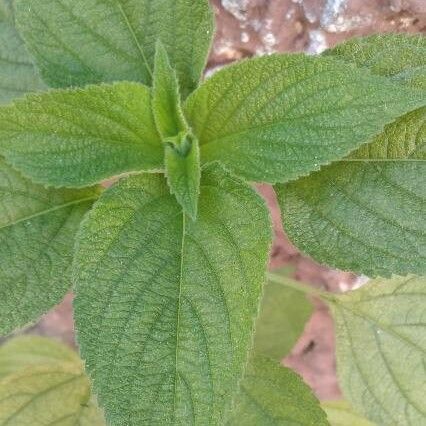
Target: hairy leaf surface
column 37, row 229
column 46, row 395
column 78, row 137
column 17, row 73
column 340, row 413
column 276, row 118
column 283, row 315
column 25, row 351
column 366, row 213
column 381, row 349
column 78, row 42
column 274, row 395
column 165, row 306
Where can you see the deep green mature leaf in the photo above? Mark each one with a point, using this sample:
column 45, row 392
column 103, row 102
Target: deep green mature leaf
column 274, row 395
column 276, row 118
column 37, row 229
column 381, row 349
column 79, row 137
column 283, row 315
column 182, row 155
column 366, row 213
column 77, row 42
column 46, row 395
column 164, row 306
column 340, row 413
column 17, row 73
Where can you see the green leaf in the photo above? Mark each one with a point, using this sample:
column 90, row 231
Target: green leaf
column 77, row 42
column 184, row 173
column 37, row 229
column 274, row 395
column 165, row 307
column 276, row 118
column 366, row 213
column 340, row 413
column 45, row 395
column 381, row 349
column 283, row 314
column 78, row 137
column 398, row 56
column 25, row 351
column 17, row 74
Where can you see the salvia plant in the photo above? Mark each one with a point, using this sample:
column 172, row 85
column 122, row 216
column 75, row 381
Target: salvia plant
column 168, row 263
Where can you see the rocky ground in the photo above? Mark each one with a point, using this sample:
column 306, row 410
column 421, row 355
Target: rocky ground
column 257, row 27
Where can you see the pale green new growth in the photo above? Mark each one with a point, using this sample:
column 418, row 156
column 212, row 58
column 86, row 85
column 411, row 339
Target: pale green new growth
column 182, row 155
column 77, row 42
column 283, row 314
column 42, row 383
column 381, row 349
column 366, row 213
column 78, row 137
column 340, row 413
column 168, row 313
column 37, row 229
column 275, row 118
column 18, row 74
column 272, row 395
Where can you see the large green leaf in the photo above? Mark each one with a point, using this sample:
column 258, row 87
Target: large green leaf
column 381, row 349
column 42, row 383
column 366, row 213
column 26, row 351
column 274, row 395
column 76, row 42
column 165, row 306
column 17, row 74
column 282, row 318
column 37, row 229
column 79, row 137
column 182, row 155
column 276, row 118
column 340, row 413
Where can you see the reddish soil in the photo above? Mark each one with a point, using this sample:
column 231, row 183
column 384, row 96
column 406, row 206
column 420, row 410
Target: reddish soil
column 255, row 27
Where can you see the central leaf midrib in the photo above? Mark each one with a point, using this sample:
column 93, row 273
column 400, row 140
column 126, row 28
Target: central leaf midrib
column 49, row 210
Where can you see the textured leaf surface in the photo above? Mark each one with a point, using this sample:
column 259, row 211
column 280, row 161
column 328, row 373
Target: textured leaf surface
column 274, row 395
column 165, row 306
column 381, row 349
column 17, row 74
column 25, row 351
column 46, row 395
column 283, row 314
column 79, row 137
column 276, row 118
column 340, row 413
column 366, row 213
column 77, row 42
column 37, row 229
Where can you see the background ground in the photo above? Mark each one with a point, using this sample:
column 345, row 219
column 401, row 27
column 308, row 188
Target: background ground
column 257, row 27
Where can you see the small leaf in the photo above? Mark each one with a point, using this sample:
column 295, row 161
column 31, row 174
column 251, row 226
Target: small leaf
column 274, row 395
column 283, row 314
column 45, row 395
column 78, row 42
column 37, row 229
column 78, row 137
column 381, row 349
column 340, row 413
column 17, row 74
column 25, row 351
column 183, row 173
column 165, row 307
column 366, row 213
column 275, row 118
